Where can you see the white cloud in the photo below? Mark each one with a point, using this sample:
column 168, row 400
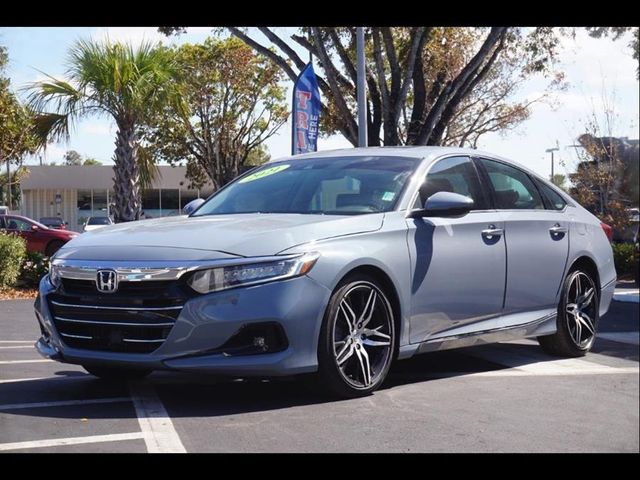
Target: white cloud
column 133, row 35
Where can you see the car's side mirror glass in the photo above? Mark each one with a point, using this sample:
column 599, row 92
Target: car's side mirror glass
column 191, row 207
column 444, row 204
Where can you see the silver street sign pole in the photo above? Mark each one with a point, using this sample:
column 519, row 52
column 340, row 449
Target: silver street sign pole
column 362, row 89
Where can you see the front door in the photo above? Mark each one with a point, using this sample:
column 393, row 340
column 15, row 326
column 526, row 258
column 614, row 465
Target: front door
column 458, row 263
column 537, row 239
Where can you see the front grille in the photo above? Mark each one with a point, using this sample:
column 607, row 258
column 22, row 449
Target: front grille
column 135, row 319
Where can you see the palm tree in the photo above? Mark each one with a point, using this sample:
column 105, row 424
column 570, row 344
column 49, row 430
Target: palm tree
column 117, row 80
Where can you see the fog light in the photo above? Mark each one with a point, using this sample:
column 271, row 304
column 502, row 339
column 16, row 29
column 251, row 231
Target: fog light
column 255, row 339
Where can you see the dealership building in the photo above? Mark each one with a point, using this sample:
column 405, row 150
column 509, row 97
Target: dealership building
column 75, row 193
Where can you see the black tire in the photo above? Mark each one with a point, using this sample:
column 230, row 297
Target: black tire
column 563, row 342
column 350, row 380
column 116, row 374
column 53, row 247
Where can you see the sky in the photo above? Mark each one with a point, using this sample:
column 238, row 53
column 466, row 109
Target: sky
column 594, row 69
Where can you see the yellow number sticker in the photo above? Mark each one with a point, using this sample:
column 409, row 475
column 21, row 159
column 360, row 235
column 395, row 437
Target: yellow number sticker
column 264, row 173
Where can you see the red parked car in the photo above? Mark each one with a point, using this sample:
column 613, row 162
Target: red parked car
column 39, row 238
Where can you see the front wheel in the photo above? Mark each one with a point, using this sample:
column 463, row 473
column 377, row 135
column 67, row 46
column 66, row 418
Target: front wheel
column 357, row 338
column 577, row 317
column 116, row 374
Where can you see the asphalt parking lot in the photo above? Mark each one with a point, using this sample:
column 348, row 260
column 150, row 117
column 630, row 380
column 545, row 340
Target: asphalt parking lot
column 508, row 397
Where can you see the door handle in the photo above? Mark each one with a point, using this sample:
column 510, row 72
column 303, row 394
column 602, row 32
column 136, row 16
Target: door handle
column 557, row 228
column 492, row 231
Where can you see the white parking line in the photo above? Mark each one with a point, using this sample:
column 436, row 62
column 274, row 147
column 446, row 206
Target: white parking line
column 15, row 346
column 17, row 341
column 539, row 364
column 63, row 403
column 631, row 338
column 159, row 434
column 56, row 442
column 32, row 379
column 515, row 372
column 7, row 362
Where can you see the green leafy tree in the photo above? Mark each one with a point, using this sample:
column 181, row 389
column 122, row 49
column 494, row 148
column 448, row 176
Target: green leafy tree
column 560, row 181
column 17, row 133
column 72, row 158
column 91, row 162
column 234, row 102
column 117, row 80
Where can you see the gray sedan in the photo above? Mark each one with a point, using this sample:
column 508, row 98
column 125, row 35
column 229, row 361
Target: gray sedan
column 334, row 264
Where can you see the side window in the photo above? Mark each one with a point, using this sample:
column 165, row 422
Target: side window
column 17, row 224
column 453, row 174
column 2, row 226
column 555, row 200
column 513, row 188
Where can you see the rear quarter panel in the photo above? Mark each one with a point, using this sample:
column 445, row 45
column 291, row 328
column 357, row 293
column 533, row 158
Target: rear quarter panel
column 587, row 239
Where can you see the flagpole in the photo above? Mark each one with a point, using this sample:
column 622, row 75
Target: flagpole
column 362, row 89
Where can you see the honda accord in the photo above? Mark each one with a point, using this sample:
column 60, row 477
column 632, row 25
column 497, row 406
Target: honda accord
column 334, row 264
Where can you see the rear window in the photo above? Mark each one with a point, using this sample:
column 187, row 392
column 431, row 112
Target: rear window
column 556, row 202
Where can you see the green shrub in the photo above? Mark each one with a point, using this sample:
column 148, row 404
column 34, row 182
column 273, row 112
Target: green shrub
column 13, row 250
column 624, row 258
column 34, row 267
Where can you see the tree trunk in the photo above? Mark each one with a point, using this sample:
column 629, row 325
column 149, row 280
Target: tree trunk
column 126, row 183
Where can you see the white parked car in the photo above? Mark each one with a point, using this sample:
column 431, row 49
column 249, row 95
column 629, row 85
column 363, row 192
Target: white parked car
column 94, row 223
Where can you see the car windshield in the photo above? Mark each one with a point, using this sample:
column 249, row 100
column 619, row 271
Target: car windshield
column 334, row 186
column 99, row 221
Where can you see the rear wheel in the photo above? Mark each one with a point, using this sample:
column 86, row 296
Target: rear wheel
column 114, row 373
column 53, row 247
column 577, row 317
column 357, row 338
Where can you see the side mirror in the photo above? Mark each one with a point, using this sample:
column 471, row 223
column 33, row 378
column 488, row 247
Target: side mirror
column 35, row 228
column 444, row 204
column 190, row 207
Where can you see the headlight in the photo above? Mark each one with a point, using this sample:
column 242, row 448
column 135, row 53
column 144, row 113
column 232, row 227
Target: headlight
column 221, row 278
column 54, row 275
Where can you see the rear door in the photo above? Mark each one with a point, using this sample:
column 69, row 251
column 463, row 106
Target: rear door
column 536, row 235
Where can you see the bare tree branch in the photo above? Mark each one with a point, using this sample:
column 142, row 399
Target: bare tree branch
column 281, row 62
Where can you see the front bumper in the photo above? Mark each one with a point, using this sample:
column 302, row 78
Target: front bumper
column 207, row 322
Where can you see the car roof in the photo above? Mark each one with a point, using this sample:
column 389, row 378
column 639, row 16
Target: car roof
column 419, row 152
column 427, row 153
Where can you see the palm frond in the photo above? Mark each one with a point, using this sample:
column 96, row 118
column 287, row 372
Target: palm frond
column 147, row 167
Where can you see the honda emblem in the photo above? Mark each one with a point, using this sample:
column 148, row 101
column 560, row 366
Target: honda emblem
column 107, row 281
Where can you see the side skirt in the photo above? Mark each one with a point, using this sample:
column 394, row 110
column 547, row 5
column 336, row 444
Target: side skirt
column 545, row 325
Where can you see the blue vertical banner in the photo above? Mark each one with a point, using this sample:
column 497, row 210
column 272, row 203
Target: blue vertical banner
column 305, row 112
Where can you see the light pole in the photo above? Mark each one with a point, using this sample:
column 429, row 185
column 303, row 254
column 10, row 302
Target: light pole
column 362, row 89
column 551, row 150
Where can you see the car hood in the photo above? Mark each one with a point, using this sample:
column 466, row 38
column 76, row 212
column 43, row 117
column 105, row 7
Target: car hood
column 241, row 234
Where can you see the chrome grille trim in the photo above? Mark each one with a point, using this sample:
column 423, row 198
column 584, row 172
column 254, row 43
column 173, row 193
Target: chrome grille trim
column 148, row 271
column 101, row 307
column 135, row 340
column 82, row 337
column 126, row 324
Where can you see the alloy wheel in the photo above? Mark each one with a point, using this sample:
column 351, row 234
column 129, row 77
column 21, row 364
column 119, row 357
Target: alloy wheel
column 580, row 310
column 362, row 335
